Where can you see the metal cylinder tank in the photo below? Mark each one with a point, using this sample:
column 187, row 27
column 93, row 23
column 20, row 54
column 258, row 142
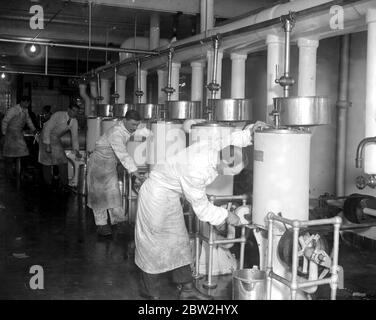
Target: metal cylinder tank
column 181, row 110
column 149, row 111
column 223, row 184
column 108, row 123
column 281, row 174
column 168, row 139
column 231, row 109
column 93, row 132
column 120, row 109
column 104, row 110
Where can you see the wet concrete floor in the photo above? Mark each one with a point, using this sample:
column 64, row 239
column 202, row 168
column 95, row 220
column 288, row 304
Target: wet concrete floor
column 57, row 232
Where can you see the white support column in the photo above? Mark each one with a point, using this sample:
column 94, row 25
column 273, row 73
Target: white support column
column 162, row 82
column 105, row 91
column 370, row 149
column 94, row 89
column 121, row 81
column 238, row 75
column 275, row 57
column 209, row 71
column 206, row 15
column 197, row 80
column 154, row 31
column 307, row 66
column 175, row 73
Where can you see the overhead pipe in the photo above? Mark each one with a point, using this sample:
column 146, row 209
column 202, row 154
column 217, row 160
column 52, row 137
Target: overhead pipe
column 46, row 61
column 342, row 104
column 43, row 74
column 77, row 46
column 236, row 31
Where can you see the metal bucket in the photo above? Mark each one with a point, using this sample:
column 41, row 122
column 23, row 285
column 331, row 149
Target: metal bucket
column 181, row 110
column 231, row 109
column 249, row 284
column 81, row 184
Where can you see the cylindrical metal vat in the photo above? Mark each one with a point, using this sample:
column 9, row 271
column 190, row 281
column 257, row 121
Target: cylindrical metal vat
column 148, row 111
column 223, row 184
column 181, row 110
column 281, row 174
column 303, row 111
column 231, row 109
column 108, row 123
column 93, row 132
column 67, row 138
column 104, row 110
column 120, row 109
column 168, row 139
column 81, row 184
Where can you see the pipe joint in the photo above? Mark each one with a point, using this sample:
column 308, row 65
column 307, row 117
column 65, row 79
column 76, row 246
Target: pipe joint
column 359, row 150
column 343, row 104
column 364, row 181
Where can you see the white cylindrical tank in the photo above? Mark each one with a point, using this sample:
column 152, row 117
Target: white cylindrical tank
column 281, row 174
column 93, row 132
column 223, row 184
column 168, row 139
column 108, row 123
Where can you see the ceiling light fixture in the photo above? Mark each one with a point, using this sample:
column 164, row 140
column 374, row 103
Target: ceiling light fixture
column 3, row 75
column 33, row 48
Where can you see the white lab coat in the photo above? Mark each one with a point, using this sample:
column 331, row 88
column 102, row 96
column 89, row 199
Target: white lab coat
column 162, row 242
column 102, row 177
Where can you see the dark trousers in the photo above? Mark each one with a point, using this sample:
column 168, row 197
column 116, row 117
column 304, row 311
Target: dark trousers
column 150, row 283
column 61, row 170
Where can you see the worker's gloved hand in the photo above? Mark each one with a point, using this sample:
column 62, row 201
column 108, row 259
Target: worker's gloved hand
column 257, row 125
column 48, row 148
column 233, row 219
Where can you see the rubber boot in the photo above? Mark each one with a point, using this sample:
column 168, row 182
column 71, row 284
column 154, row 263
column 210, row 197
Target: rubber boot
column 190, row 292
column 104, row 231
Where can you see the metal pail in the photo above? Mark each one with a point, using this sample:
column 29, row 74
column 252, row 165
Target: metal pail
column 248, row 284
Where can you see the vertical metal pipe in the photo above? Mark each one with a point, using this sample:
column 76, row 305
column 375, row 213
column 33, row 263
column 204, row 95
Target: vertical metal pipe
column 342, row 105
column 129, row 196
column 197, row 243
column 288, row 27
column 334, row 270
column 169, row 76
column 215, row 63
column 242, row 248
column 294, row 272
column 46, row 61
column 211, row 247
column 90, row 13
column 269, row 263
column 99, row 85
column 115, row 84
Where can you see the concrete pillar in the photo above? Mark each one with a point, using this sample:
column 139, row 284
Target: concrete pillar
column 154, row 31
column 307, row 66
column 370, row 149
column 93, row 89
column 175, row 73
column 206, row 15
column 209, row 72
column 105, row 91
column 143, row 88
column 275, row 51
column 238, row 75
column 197, row 80
column 121, row 81
column 162, row 82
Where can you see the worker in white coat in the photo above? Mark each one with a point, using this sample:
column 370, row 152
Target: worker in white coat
column 104, row 195
column 161, row 237
column 51, row 149
column 12, row 128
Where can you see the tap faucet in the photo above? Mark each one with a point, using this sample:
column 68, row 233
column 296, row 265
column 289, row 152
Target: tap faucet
column 359, row 150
